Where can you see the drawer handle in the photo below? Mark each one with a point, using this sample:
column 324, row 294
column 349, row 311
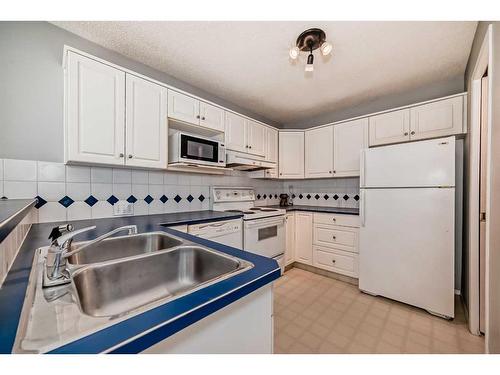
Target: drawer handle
column 333, row 260
column 334, row 238
column 333, row 219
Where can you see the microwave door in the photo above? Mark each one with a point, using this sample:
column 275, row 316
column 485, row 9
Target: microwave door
column 199, row 149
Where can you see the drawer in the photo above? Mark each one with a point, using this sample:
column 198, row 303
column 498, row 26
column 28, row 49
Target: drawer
column 344, row 238
column 336, row 261
column 334, row 219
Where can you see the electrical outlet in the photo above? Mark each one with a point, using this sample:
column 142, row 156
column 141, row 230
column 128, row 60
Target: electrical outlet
column 122, row 208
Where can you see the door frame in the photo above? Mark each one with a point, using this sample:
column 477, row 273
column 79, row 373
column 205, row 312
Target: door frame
column 483, row 61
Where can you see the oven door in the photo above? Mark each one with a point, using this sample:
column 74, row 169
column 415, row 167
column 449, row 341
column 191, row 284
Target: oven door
column 265, row 236
column 199, row 150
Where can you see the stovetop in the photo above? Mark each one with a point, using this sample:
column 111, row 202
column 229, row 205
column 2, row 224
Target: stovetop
column 258, row 212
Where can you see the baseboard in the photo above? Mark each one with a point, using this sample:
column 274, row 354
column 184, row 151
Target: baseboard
column 319, row 271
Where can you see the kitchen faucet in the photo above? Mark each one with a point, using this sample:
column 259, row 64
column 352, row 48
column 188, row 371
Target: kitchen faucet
column 60, row 250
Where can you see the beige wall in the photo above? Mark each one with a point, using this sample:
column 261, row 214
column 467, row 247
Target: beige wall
column 493, row 329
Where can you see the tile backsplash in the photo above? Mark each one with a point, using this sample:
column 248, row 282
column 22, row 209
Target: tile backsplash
column 68, row 192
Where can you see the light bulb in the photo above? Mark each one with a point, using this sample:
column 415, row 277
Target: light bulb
column 309, row 68
column 310, row 62
column 294, row 52
column 326, row 48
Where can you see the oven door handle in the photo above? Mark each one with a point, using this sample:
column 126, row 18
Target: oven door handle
column 262, row 224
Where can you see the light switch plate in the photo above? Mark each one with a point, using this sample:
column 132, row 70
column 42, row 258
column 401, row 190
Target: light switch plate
column 122, row 208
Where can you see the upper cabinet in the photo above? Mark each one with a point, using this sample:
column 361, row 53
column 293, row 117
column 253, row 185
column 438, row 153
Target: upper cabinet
column 319, row 152
column 441, row 118
column 391, row 127
column 185, row 108
column 146, row 123
column 95, row 112
column 272, row 145
column 349, row 138
column 291, row 154
column 244, row 135
column 105, row 106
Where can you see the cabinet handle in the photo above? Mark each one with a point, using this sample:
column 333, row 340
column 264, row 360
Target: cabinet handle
column 197, row 116
column 406, row 133
column 333, row 260
column 130, row 156
column 203, row 118
column 334, row 171
column 412, row 133
column 281, row 174
column 334, row 238
column 249, row 146
column 330, row 172
column 333, row 219
column 121, row 154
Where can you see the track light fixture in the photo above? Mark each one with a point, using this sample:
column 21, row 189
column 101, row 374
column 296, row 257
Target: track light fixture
column 308, row 41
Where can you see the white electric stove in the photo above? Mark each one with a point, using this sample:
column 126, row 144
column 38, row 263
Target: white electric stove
column 263, row 228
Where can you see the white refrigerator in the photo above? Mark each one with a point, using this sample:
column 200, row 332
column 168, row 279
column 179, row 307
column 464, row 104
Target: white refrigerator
column 407, row 234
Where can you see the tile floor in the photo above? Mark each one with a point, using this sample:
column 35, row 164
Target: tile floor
column 317, row 314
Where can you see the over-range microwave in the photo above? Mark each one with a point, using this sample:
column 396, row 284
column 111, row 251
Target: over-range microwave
column 193, row 149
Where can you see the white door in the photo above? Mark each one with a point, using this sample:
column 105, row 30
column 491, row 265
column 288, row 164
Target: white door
column 146, row 123
column 290, row 238
column 235, row 134
column 211, row 117
column 406, row 246
column 291, row 155
column 437, row 119
column 391, row 127
column 95, row 123
column 272, row 145
column 256, row 135
column 303, row 237
column 423, row 163
column 349, row 138
column 183, row 107
column 319, row 152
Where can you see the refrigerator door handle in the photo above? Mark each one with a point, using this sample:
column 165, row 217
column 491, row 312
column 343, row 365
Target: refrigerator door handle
column 362, row 208
column 362, row 169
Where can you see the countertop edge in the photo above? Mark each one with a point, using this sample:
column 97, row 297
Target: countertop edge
column 8, row 225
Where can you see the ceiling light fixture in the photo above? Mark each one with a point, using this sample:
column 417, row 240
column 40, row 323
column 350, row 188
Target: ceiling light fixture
column 308, row 41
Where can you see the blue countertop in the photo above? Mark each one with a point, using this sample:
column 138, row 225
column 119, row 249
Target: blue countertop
column 331, row 210
column 144, row 330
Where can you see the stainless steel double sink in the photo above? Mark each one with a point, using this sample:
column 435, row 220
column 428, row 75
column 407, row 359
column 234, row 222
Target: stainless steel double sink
column 121, row 274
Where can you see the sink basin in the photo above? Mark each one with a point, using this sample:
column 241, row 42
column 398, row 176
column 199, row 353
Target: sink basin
column 114, row 288
column 122, row 247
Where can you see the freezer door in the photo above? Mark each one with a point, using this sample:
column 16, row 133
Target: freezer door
column 406, row 246
column 415, row 164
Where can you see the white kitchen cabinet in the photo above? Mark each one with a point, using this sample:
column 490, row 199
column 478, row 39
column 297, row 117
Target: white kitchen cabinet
column 256, row 138
column 272, row 145
column 291, row 154
column 95, row 112
column 303, row 237
column 290, row 238
column 146, row 123
column 338, row 261
column 437, row 119
column 183, row 107
column 391, row 127
column 319, row 152
column 235, row 132
column 211, row 117
column 349, row 138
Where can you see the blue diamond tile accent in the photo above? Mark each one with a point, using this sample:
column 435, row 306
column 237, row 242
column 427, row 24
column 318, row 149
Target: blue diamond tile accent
column 66, row 201
column 301, row 196
column 293, row 196
column 201, row 198
column 177, row 198
column 259, row 196
column 39, row 201
column 190, row 198
column 91, row 200
column 275, row 196
column 112, row 200
column 264, row 196
column 346, row 197
column 148, row 199
column 316, row 197
column 131, row 199
column 335, row 197
column 356, row 197
column 163, row 198
column 308, row 196
column 326, row 197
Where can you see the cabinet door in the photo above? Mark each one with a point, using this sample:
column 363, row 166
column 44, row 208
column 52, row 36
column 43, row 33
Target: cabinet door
column 235, row 133
column 291, row 155
column 183, row 107
column 290, row 238
column 272, row 145
column 146, row 123
column 392, row 127
column 349, row 138
column 437, row 119
column 319, row 152
column 95, row 110
column 256, row 138
column 211, row 117
column 303, row 237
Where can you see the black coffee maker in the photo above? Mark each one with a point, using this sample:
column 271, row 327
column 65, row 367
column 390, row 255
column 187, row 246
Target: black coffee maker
column 285, row 200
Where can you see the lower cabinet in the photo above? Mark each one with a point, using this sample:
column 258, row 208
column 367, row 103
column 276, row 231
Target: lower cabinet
column 303, row 237
column 334, row 260
column 290, row 238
